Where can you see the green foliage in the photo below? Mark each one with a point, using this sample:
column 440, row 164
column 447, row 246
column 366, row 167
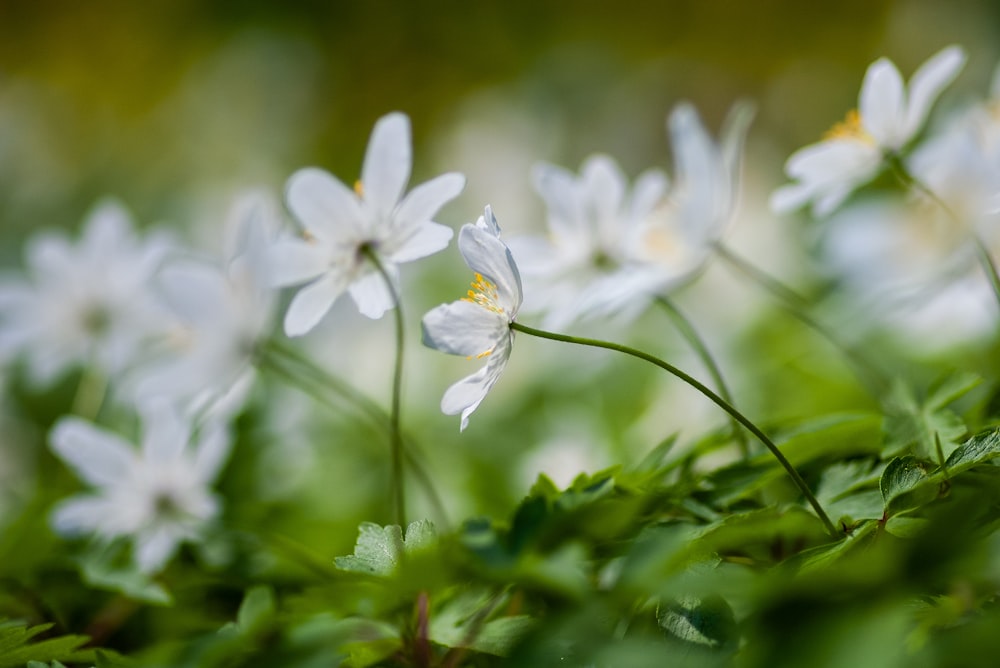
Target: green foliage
column 19, row 644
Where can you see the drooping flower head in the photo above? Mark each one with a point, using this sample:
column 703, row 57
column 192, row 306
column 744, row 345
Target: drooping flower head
column 88, row 303
column 157, row 495
column 888, row 117
column 343, row 224
column 478, row 325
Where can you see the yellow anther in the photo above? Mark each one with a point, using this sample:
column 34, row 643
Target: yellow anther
column 850, row 128
column 484, row 293
column 359, row 188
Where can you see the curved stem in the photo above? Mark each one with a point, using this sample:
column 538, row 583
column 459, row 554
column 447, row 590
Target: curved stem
column 982, row 252
column 796, row 305
column 709, row 394
column 398, row 486
column 690, row 334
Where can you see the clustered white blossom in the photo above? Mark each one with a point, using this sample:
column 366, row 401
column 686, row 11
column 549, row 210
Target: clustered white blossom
column 176, row 335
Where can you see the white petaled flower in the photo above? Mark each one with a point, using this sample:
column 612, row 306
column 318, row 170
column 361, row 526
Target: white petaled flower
column 342, row 225
column 888, row 118
column 609, row 251
column 158, row 495
column 478, row 325
column 222, row 312
column 572, row 272
column 84, row 304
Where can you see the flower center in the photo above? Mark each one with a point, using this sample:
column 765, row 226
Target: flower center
column 484, row 293
column 850, row 128
column 95, row 319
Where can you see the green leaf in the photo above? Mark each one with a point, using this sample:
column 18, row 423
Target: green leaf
column 905, row 484
column 464, row 621
column 105, row 569
column 700, row 623
column 977, row 450
column 17, row 648
column 919, row 426
column 256, row 610
column 378, row 549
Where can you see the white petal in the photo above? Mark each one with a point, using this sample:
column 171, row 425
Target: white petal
column 290, row 261
column 562, row 195
column 881, row 103
column 465, row 396
column 533, row 255
column 154, row 548
column 649, row 189
column 196, row 291
column 312, row 302
column 487, row 255
column 325, row 206
column 423, row 240
column 463, row 328
column 98, row 456
column 789, row 197
column 108, row 227
column 371, row 295
column 605, row 185
column 927, row 83
column 387, row 163
column 165, row 433
column 81, row 514
column 213, row 450
column 422, row 203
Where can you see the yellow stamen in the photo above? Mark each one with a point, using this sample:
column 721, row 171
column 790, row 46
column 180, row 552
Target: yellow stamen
column 359, row 188
column 851, row 127
column 484, row 293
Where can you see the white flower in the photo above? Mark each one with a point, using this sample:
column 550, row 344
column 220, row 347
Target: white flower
column 157, row 495
column 85, row 304
column 223, row 313
column 593, row 222
column 609, row 251
column 478, row 325
column 343, row 224
column 889, row 116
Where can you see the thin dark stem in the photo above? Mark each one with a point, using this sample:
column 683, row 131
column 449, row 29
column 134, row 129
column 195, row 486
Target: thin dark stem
column 796, row 305
column 982, row 252
column 396, row 436
column 709, row 394
column 690, row 334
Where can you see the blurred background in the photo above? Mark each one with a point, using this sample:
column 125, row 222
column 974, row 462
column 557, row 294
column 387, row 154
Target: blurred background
column 176, row 106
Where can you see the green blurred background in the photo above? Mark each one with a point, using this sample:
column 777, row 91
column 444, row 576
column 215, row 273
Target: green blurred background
column 175, row 106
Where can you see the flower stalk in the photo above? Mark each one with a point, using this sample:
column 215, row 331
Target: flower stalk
column 709, row 394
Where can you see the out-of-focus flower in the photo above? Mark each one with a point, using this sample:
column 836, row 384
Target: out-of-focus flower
column 85, row 304
column 343, row 225
column 157, row 495
column 889, row 116
column 478, row 325
column 223, row 313
column 593, row 222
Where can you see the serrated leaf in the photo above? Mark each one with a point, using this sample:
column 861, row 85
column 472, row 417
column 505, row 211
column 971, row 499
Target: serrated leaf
column 951, row 388
column 922, row 426
column 905, row 484
column 379, row 549
column 17, row 648
column 979, row 449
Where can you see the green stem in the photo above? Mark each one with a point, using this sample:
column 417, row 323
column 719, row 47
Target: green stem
column 982, row 252
column 396, row 436
column 690, row 334
column 709, row 394
column 311, row 380
column 90, row 392
column 796, row 305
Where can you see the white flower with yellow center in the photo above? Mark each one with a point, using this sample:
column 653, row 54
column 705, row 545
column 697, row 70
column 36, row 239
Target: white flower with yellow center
column 157, row 495
column 478, row 325
column 343, row 225
column 888, row 117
